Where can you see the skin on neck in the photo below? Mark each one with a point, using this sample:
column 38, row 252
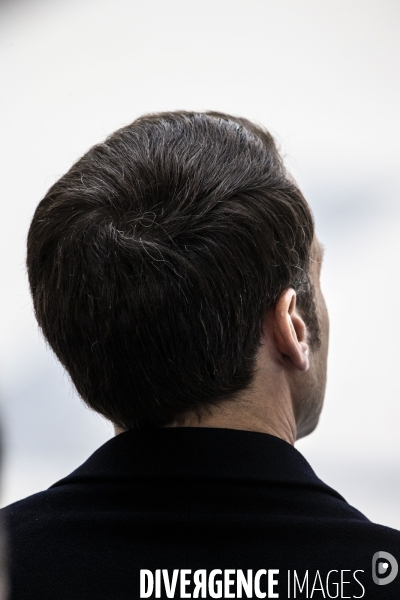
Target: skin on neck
column 267, row 405
column 274, row 415
column 286, row 395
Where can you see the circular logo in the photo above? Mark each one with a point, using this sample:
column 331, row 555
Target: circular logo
column 384, row 568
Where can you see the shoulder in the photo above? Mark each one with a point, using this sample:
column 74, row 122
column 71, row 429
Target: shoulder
column 34, row 504
column 35, row 511
column 379, row 533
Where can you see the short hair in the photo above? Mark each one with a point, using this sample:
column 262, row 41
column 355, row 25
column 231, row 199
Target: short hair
column 153, row 261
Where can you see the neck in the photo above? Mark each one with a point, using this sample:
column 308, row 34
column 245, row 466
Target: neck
column 265, row 417
column 266, row 406
column 257, row 409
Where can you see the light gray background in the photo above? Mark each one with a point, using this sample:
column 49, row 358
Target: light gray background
column 324, row 78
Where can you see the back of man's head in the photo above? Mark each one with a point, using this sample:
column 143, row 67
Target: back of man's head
column 153, row 261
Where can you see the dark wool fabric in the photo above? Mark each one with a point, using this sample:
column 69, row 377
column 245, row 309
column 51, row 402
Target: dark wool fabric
column 191, row 498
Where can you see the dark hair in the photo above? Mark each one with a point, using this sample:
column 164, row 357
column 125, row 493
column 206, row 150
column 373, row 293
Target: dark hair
column 153, row 261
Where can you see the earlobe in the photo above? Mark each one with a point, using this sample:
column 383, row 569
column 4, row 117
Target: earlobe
column 290, row 331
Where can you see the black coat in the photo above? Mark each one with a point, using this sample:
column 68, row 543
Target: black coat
column 217, row 502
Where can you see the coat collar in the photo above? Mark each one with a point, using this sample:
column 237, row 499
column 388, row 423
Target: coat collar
column 198, row 452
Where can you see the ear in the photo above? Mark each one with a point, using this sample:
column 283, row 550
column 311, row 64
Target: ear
column 290, row 331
